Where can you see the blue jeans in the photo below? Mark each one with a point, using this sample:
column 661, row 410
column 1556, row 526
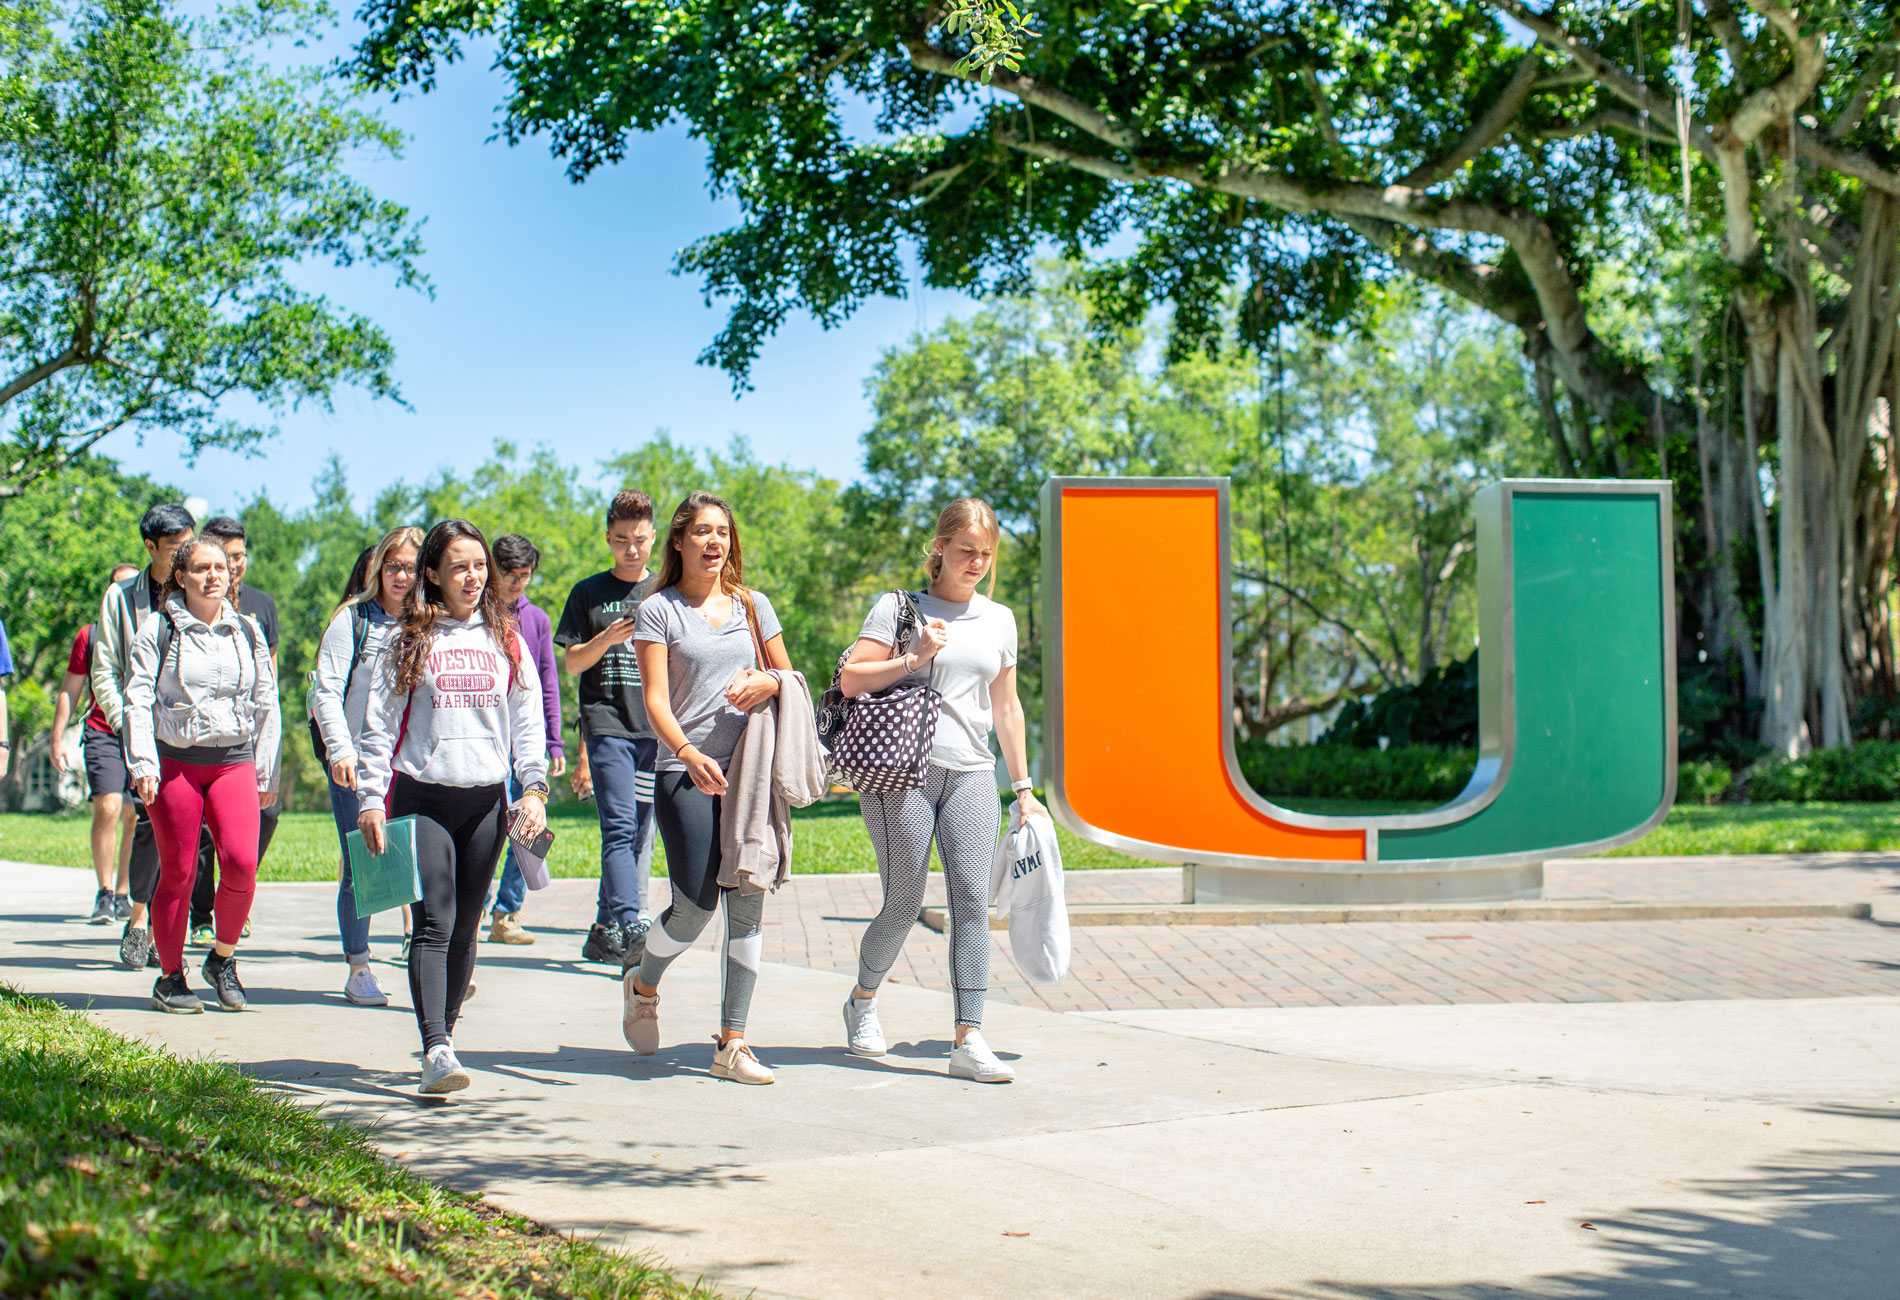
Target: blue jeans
column 626, row 824
column 512, row 892
column 353, row 928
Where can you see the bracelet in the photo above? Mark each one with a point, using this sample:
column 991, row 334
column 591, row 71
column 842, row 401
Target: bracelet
column 1021, row 787
column 908, row 666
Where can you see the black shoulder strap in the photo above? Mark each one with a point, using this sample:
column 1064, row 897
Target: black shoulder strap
column 167, row 636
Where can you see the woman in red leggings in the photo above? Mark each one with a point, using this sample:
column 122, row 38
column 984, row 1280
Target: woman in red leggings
column 201, row 739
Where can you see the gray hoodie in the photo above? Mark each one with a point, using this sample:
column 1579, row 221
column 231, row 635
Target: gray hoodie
column 460, row 726
column 213, row 699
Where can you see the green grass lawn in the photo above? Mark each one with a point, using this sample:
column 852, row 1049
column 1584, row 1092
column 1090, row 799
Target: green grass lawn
column 829, row 837
column 127, row 1171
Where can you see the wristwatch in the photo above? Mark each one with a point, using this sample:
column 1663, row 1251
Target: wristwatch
column 540, row 788
column 1021, row 787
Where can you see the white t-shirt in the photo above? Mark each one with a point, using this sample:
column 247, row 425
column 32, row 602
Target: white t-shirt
column 982, row 644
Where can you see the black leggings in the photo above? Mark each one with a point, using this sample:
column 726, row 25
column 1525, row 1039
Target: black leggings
column 460, row 832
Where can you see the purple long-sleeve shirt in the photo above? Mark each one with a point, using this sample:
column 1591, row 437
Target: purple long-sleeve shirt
column 538, row 632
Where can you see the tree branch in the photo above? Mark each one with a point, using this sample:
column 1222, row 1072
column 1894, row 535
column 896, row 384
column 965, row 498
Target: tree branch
column 1486, row 130
column 1030, row 91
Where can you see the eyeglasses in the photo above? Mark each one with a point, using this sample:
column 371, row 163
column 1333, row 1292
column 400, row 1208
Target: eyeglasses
column 395, row 570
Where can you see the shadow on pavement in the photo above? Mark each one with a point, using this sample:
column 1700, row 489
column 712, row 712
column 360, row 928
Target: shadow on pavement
column 1822, row 1224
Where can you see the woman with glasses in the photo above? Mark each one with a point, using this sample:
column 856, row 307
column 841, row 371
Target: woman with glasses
column 358, row 632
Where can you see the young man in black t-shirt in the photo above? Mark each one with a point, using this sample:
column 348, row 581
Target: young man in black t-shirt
column 596, row 634
column 229, row 534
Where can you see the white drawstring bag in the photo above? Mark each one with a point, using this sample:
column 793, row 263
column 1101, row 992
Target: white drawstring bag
column 1026, row 885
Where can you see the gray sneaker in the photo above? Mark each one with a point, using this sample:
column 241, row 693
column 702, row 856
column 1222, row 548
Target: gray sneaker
column 101, row 908
column 121, row 907
column 135, row 947
column 221, row 974
column 172, row 994
column 863, row 1035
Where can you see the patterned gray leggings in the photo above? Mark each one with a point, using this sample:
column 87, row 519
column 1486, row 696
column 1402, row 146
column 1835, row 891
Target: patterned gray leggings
column 961, row 811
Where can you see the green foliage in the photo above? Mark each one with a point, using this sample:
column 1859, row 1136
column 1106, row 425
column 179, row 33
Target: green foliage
column 1867, row 773
column 997, row 30
column 1702, row 781
column 1400, row 774
column 58, row 544
column 126, row 1170
column 160, row 183
column 1441, row 710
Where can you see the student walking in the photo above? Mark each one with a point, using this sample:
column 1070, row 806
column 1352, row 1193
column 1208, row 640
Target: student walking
column 201, row 731
column 262, row 610
column 966, row 648
column 351, row 648
column 703, row 641
column 128, row 606
column 108, row 779
column 516, row 559
column 454, row 711
column 619, row 750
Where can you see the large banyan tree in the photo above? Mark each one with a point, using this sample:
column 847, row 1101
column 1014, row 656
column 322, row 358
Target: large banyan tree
column 1741, row 161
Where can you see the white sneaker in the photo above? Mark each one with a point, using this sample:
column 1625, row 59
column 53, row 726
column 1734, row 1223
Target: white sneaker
column 640, row 1019
column 362, row 990
column 441, row 1072
column 976, row 1062
column 863, row 1035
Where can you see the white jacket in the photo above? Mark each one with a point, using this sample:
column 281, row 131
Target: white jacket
column 465, row 719
column 215, row 691
column 340, row 715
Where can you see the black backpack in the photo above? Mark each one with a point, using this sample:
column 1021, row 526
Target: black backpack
column 168, row 634
column 359, row 633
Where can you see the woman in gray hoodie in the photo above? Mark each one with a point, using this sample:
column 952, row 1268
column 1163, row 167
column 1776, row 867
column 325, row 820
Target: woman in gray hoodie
column 452, row 712
column 201, row 730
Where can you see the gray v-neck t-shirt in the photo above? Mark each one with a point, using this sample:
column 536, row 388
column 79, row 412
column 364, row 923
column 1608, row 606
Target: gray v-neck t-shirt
column 700, row 662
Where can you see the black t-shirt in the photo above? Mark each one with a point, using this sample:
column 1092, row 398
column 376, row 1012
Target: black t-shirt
column 611, row 700
column 262, row 608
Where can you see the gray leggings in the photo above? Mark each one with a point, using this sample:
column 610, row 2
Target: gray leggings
column 962, row 812
column 689, row 826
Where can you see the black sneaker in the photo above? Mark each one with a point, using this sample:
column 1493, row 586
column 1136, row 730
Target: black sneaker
column 135, row 947
column 101, row 908
column 122, row 907
column 605, row 943
column 172, row 994
column 221, row 974
column 633, row 943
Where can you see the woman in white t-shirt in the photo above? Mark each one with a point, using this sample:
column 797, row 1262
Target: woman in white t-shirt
column 966, row 649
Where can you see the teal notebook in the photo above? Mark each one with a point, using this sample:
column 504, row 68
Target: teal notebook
column 391, row 879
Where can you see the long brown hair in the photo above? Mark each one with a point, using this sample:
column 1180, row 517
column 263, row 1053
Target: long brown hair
column 371, row 587
column 424, row 605
column 961, row 514
column 673, row 565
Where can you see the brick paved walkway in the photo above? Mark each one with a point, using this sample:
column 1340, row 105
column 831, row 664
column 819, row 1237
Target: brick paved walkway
column 817, row 920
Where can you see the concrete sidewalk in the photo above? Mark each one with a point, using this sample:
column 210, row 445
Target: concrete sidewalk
column 1734, row 1148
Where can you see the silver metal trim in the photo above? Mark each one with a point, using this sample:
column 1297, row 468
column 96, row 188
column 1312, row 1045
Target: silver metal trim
column 1487, row 781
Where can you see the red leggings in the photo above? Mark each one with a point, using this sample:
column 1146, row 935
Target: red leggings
column 188, row 796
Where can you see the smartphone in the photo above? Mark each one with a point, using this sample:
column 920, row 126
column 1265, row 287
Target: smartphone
column 539, row 845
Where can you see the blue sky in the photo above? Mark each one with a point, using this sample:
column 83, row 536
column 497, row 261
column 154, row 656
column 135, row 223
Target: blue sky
column 555, row 319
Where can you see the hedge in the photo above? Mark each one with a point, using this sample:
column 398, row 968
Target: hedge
column 1867, row 773
column 1400, row 773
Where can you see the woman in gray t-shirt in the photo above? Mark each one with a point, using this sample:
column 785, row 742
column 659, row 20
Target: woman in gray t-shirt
column 699, row 640
column 966, row 647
